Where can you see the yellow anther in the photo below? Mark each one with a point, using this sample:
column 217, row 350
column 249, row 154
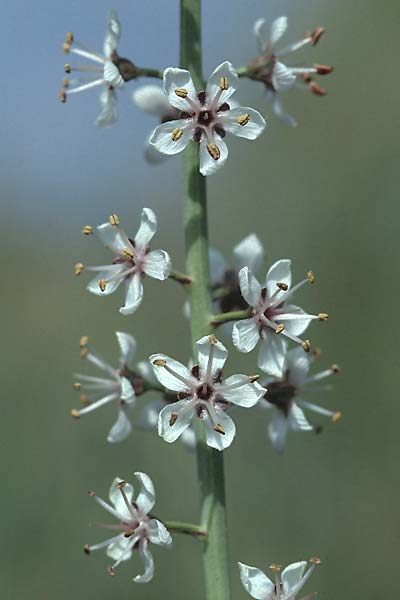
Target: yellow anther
column 84, row 352
column 87, row 230
column 86, row 549
column 121, row 484
column 224, row 83
column 77, row 386
column 275, row 567
column 323, row 316
column 212, row 339
column 219, row 429
column 78, row 268
column 336, row 417
column 62, row 94
column 128, row 253
column 173, row 419
column 66, row 47
column 102, row 283
column 243, row 119
column 213, row 151
column 84, row 341
column 310, row 277
column 253, row 378
column 282, row 286
column 114, row 220
column 67, row 68
column 335, row 368
column 176, row 134
column 280, row 328
column 69, row 38
column 75, row 413
column 83, row 399
column 159, row 362
column 65, row 82
column 181, row 92
column 315, row 560
column 306, row 345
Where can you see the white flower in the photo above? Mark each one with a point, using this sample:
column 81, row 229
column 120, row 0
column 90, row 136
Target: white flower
column 203, row 393
column 137, row 527
column 132, row 261
column 110, row 71
column 285, row 396
column 273, row 318
column 117, row 387
column 276, row 76
column 205, row 117
column 288, row 583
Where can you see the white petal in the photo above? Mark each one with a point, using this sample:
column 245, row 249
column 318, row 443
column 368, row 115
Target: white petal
column 279, row 272
column 278, row 428
column 127, row 391
column 251, row 130
column 245, row 335
column 255, row 582
column 133, row 296
column 213, row 84
column 152, row 100
column 298, row 325
column 127, row 345
column 262, row 33
column 145, row 370
column 249, row 252
column 121, row 428
column 148, row 564
column 297, row 419
column 118, row 500
column 162, row 138
column 147, row 228
column 93, row 285
column 152, row 155
column 219, row 355
column 278, row 28
column 113, row 33
column 250, row 287
column 281, row 114
column 271, row 356
column 179, row 78
column 167, row 379
column 243, row 393
column 150, row 412
column 291, row 576
column 111, row 75
column 188, row 438
column 184, row 411
column 119, row 549
column 298, row 364
column 282, row 77
column 209, row 165
column 216, row 440
column 146, row 498
column 158, row 533
column 218, row 265
column 109, row 111
column 113, row 238
column 157, row 264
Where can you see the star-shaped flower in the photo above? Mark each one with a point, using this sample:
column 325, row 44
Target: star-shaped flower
column 137, row 527
column 132, row 260
column 118, row 386
column 206, row 117
column 110, row 71
column 285, row 395
column 273, row 317
column 276, row 76
column 203, row 394
column 288, row 583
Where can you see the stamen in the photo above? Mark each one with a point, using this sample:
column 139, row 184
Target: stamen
column 86, row 549
column 66, row 47
column 323, row 69
column 75, row 413
column 173, row 419
column 315, row 560
column 84, row 352
column 310, row 277
column 306, row 345
column 253, row 378
column 181, row 92
column 69, row 38
column 62, row 95
column 77, row 386
column 219, row 429
column 336, row 417
column 110, row 571
column 282, row 286
column 316, row 89
column 176, row 134
column 87, row 230
column 129, row 506
column 83, row 399
column 213, row 151
column 84, row 341
column 66, row 81
column 323, row 316
column 114, row 220
column 335, row 368
column 243, row 119
column 102, row 283
column 279, row 329
column 129, row 533
column 316, row 35
column 224, row 83
column 212, row 339
column 67, row 68
column 78, row 268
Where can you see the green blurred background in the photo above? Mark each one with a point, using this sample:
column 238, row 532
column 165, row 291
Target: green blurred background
column 324, row 194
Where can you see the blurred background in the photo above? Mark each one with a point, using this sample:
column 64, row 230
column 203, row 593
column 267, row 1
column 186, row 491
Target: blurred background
column 324, row 194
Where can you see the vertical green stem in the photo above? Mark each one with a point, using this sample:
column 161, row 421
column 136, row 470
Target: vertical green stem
column 210, row 462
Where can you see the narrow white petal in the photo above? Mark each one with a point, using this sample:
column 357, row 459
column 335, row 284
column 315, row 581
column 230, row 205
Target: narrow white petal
column 157, row 264
column 297, row 419
column 218, row 353
column 255, row 582
column 113, row 238
column 121, row 549
column 298, row 364
column 165, row 137
column 146, row 498
column 127, row 391
column 279, row 272
column 109, row 109
column 209, row 165
column 121, row 428
column 147, row 228
column 251, row 130
column 282, row 78
column 118, row 501
column 179, row 79
column 218, row 265
column 238, row 390
column 133, row 296
column 127, row 345
column 245, row 335
column 282, row 114
column 93, row 285
column 278, row 28
column 145, row 370
column 292, row 575
column 250, row 287
column 152, row 100
column 299, row 323
column 152, row 155
column 249, row 252
column 148, row 564
column 113, row 33
column 150, row 412
column 183, row 412
column 214, row 93
column 271, row 356
column 262, row 34
column 112, row 76
column 217, row 440
column 176, row 376
column 278, row 428
column 158, row 533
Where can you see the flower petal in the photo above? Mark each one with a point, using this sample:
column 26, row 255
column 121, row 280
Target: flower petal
column 218, row 353
column 165, row 140
column 278, row 428
column 282, row 77
column 298, row 365
column 218, row 265
column 250, row 287
column 128, row 395
column 249, row 252
column 174, row 419
column 255, row 582
column 113, row 34
column 217, row 440
column 147, row 228
column 181, row 382
column 113, row 237
column 146, row 498
column 299, row 323
column 117, row 499
column 179, row 79
column 121, row 428
column 238, row 390
column 150, row 412
column 208, row 164
column 281, row 113
column 213, row 89
column 278, row 28
column 151, row 99
column 297, row 419
column 262, row 33
column 245, row 335
column 127, row 345
column 158, row 533
column 112, row 76
column 109, row 110
column 157, row 264
column 133, row 296
column 118, row 550
column 279, row 272
column 249, row 129
column 148, row 563
column 271, row 356
column 93, row 285
column 152, row 155
column 291, row 576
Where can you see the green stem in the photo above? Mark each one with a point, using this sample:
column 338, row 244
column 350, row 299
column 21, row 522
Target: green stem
column 188, row 528
column 210, row 462
column 180, row 277
column 146, row 72
column 235, row 315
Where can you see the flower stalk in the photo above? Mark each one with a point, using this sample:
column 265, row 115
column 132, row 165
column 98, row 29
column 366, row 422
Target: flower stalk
column 209, row 461
column 235, row 315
